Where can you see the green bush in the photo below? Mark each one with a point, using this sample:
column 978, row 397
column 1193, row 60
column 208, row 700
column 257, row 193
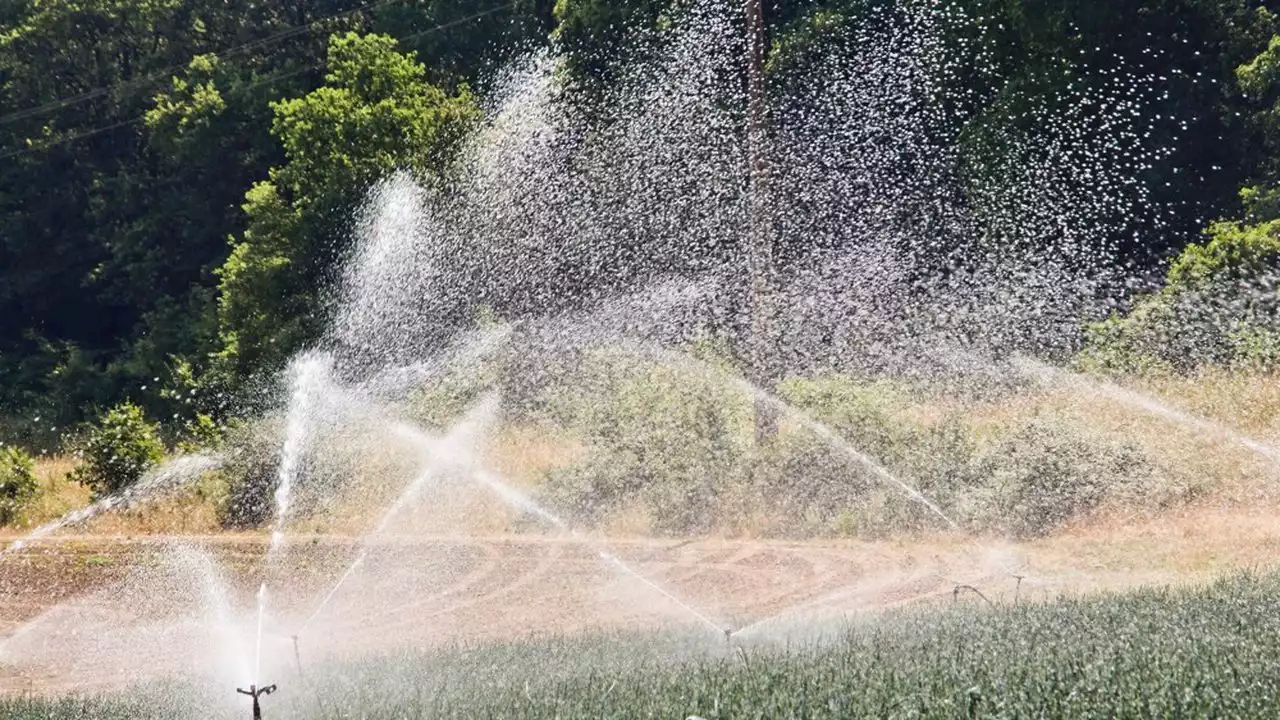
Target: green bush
column 811, row 487
column 119, row 449
column 199, row 433
column 17, row 482
column 676, row 441
column 590, row 489
column 1044, row 473
column 671, row 437
column 841, row 491
column 861, row 411
column 1219, row 304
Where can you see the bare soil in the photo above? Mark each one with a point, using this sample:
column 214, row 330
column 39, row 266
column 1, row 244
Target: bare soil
column 88, row 612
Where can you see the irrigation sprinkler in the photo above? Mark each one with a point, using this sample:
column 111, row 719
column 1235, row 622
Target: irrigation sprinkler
column 255, row 692
column 975, row 702
column 960, row 587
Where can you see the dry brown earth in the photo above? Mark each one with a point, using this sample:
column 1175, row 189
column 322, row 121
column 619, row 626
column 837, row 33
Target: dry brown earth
column 82, row 612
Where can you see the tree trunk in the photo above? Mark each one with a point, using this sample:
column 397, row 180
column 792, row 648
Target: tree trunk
column 761, row 346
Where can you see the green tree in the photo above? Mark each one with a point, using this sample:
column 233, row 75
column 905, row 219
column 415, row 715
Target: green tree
column 111, row 224
column 119, row 448
column 1260, row 80
column 1219, row 304
column 466, row 41
column 597, row 36
column 376, row 113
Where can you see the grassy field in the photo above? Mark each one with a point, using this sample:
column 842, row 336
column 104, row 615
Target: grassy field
column 1206, row 651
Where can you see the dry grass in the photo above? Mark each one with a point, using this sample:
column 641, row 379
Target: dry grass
column 527, row 453
column 1205, row 455
column 56, row 494
column 1197, row 541
column 192, row 511
column 1200, row 465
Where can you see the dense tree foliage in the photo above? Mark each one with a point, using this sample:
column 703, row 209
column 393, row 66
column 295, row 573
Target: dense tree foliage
column 375, row 113
column 177, row 178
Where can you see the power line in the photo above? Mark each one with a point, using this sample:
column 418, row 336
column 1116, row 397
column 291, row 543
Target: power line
column 163, row 73
column 258, row 83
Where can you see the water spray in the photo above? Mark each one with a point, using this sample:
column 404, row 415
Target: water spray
column 437, row 449
column 256, row 692
column 1047, row 373
column 521, row 501
column 262, row 611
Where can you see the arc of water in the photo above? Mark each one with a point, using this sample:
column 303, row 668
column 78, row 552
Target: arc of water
column 262, row 611
column 309, row 372
column 434, row 451
column 171, row 475
column 1045, row 372
column 410, row 493
column 521, row 501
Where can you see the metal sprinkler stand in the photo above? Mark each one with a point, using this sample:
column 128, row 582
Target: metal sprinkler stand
column 255, row 692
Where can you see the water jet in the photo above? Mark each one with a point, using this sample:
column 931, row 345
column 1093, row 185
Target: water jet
column 549, row 217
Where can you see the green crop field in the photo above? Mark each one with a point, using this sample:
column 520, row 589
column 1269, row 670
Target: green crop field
column 1209, row 651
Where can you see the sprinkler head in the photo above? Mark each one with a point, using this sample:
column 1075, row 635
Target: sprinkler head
column 256, row 692
column 728, row 636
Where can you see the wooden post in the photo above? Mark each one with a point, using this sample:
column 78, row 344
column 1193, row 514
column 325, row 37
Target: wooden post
column 762, row 351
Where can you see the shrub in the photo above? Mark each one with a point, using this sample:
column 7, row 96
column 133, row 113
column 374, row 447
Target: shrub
column 119, row 449
column 1044, row 473
column 859, row 411
column 335, row 459
column 935, row 459
column 668, row 436
column 809, row 485
column 678, row 445
column 250, row 465
column 17, row 482
column 590, row 489
column 1219, row 304
column 201, row 432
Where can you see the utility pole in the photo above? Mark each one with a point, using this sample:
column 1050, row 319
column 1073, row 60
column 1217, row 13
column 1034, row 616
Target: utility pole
column 762, row 351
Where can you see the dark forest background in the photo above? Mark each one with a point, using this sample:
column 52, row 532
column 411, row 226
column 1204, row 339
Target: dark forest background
column 177, row 176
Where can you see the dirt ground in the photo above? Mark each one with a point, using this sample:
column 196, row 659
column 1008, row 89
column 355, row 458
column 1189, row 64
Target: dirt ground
column 89, row 612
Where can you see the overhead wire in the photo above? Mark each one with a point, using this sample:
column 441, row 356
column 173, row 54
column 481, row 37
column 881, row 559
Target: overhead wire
column 38, row 147
column 163, row 73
